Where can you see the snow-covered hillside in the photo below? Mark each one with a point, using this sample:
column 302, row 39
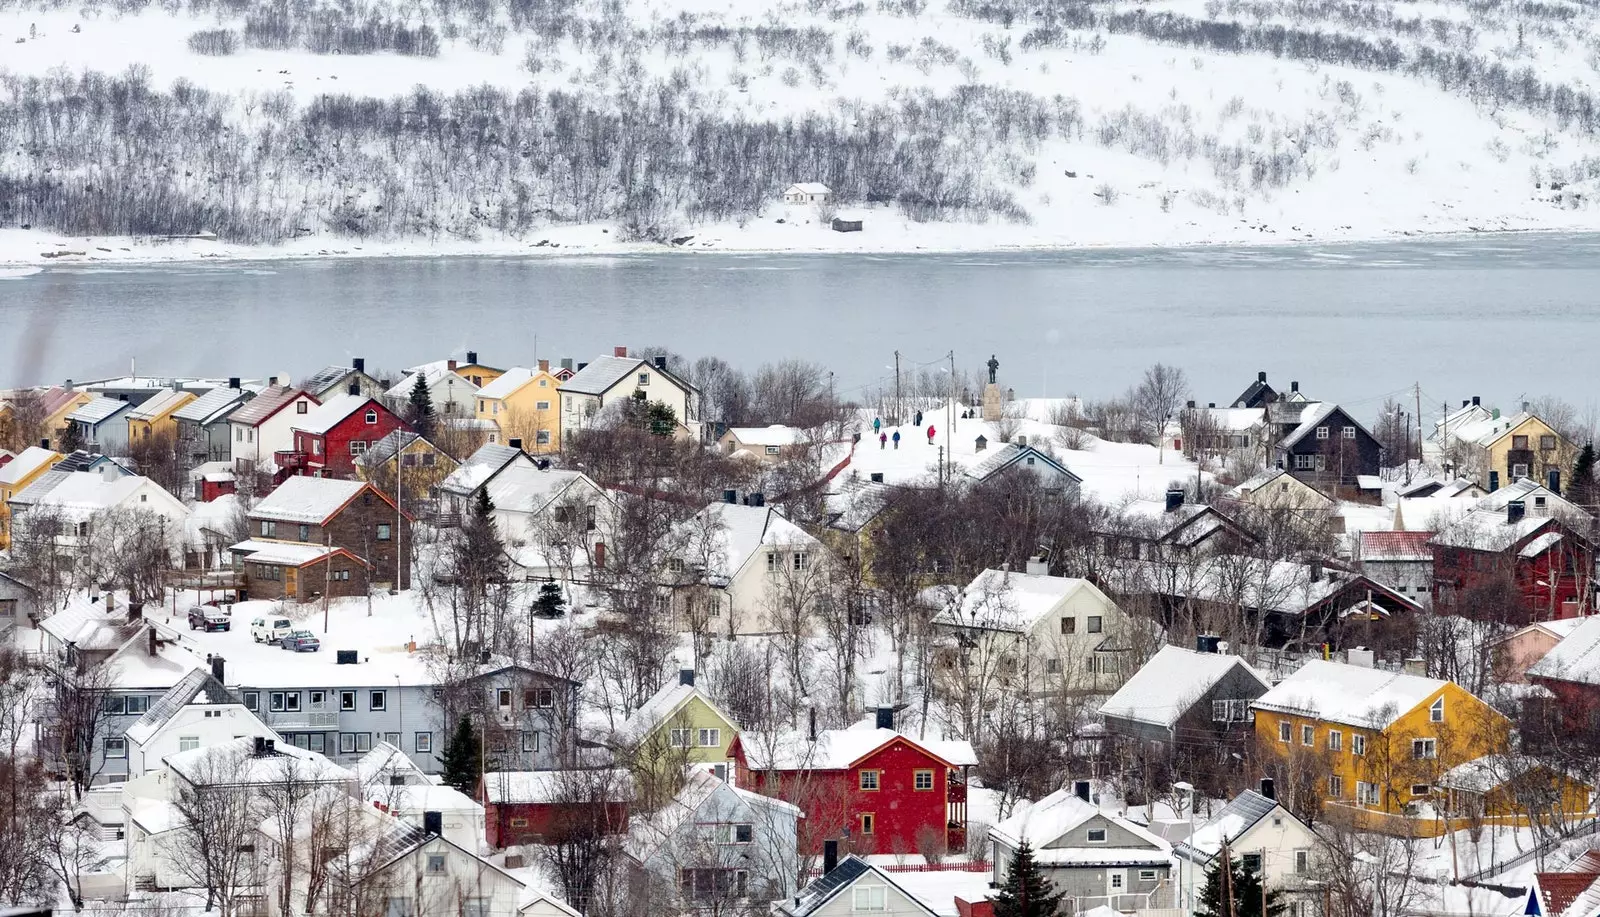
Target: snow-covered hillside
column 527, row 125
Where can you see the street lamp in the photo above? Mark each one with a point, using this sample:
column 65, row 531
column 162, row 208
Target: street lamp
column 1187, row 788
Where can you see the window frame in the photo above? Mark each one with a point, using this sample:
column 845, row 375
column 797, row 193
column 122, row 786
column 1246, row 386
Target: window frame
column 1285, row 731
column 1089, row 835
column 1436, row 711
column 916, row 780
column 874, row 901
column 1335, row 740
column 115, row 742
column 378, row 700
column 866, row 776
column 1308, row 735
column 423, row 743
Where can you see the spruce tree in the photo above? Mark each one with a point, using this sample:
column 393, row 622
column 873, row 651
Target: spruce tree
column 550, row 603
column 421, row 406
column 661, row 419
column 1026, row 892
column 1244, row 893
column 71, row 439
column 1582, row 488
column 463, row 759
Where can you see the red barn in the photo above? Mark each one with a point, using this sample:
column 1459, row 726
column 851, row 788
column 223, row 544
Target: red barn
column 328, row 440
column 1517, row 538
column 879, row 791
column 536, row 807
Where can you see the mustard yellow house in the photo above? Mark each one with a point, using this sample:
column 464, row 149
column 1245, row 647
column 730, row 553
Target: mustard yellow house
column 1371, row 742
column 524, row 404
column 154, row 418
column 677, row 729
column 473, row 371
column 1481, row 442
column 404, row 459
column 15, row 476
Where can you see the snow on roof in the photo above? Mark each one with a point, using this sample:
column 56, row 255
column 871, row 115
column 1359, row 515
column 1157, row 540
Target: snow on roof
column 1489, row 530
column 526, row 488
column 211, row 406
column 88, row 624
column 1049, row 819
column 1170, row 683
column 479, row 467
column 1576, row 658
column 327, row 415
column 384, row 761
column 1540, row 545
column 648, row 835
column 825, row 888
column 508, row 383
column 1355, row 695
column 304, row 499
column 132, row 666
column 324, row 379
column 158, row 405
column 1394, row 546
column 1310, row 417
column 602, row 373
column 284, row 553
column 1009, row 454
column 772, row 435
column 808, row 187
column 852, row 503
column 1232, row 419
column 431, row 373
column 1003, row 600
column 736, row 533
column 664, row 703
column 26, row 463
column 1282, row 586
column 1480, row 775
column 265, row 405
column 550, row 786
column 1241, row 814
column 154, row 815
column 197, row 687
column 388, row 447
column 938, row 890
column 80, row 494
column 98, row 410
column 233, row 763
column 836, row 749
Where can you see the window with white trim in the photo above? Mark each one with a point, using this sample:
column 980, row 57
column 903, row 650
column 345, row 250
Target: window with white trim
column 1436, row 711
column 1335, row 740
column 869, row 898
column 1358, row 745
column 710, row 738
column 1423, row 749
column 1096, row 835
column 1322, row 433
column 1285, row 731
column 1308, row 735
column 1367, row 794
column 1230, row 710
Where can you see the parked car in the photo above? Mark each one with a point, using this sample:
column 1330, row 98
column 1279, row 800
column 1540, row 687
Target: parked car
column 301, row 641
column 270, row 630
column 209, row 617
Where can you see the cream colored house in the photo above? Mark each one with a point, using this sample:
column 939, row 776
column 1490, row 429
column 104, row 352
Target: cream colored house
column 1279, row 490
column 768, row 445
column 524, row 404
column 736, row 570
column 608, row 380
column 1259, row 830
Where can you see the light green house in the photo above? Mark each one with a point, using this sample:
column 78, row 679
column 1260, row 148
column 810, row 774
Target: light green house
column 677, row 729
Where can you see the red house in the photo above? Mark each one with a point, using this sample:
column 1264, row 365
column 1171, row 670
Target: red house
column 328, row 439
column 1571, row 672
column 536, row 807
column 877, row 790
column 1519, row 538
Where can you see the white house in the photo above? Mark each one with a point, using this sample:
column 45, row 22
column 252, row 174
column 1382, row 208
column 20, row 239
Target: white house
column 737, row 570
column 80, row 503
column 1261, row 832
column 527, row 497
column 195, row 713
column 18, row 601
column 266, row 425
column 1048, row 633
column 808, row 192
column 850, row 888
column 1026, row 458
column 769, row 445
column 452, row 395
column 608, row 380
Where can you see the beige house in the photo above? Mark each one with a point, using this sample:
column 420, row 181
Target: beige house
column 1279, row 490
column 736, row 570
column 769, row 445
column 1044, row 633
column 610, row 380
column 1256, row 828
column 1518, row 651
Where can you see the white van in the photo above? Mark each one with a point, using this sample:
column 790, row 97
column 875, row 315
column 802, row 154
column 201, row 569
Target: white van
column 270, row 630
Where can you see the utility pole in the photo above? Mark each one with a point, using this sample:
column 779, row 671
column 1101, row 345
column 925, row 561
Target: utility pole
column 950, row 421
column 1417, row 387
column 897, row 388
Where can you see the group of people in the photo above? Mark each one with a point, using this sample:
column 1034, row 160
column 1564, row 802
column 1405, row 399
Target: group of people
column 885, row 438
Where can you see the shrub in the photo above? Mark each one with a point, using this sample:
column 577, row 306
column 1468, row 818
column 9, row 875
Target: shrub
column 214, row 42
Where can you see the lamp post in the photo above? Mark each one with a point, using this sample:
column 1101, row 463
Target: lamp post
column 1187, row 789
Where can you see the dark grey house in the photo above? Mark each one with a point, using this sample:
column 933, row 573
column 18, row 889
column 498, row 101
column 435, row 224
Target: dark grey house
column 1199, row 695
column 1329, row 448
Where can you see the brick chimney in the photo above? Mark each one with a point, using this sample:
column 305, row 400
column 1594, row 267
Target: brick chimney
column 619, row 351
column 544, row 366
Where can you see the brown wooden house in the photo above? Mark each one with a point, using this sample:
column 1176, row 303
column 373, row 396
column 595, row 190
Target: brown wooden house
column 319, row 536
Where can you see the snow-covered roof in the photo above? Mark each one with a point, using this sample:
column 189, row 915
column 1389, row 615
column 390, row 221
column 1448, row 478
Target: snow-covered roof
column 1232, row 419
column 837, row 749
column 384, row 762
column 1241, row 814
column 1051, row 818
column 160, row 404
column 197, row 687
column 212, row 406
column 1283, row 586
column 324, row 379
column 1480, row 775
column 302, row 499
column 26, row 463
column 233, row 763
column 825, row 888
column 380, row 452
column 1009, row 454
column 266, row 404
column 98, row 410
column 524, row 487
column 479, row 467
column 808, row 187
column 852, row 503
column 326, row 416
column 1310, row 418
column 1337, row 692
column 508, row 383
column 666, row 702
column 80, row 494
column 1576, row 658
column 89, row 625
column 551, row 786
column 1489, row 530
column 736, row 533
column 772, row 435
column 647, row 835
column 1171, row 682
column 1540, row 545
column 284, row 553
column 431, row 374
column 604, row 372
column 1004, row 600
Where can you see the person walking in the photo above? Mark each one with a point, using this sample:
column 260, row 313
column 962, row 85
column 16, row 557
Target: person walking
column 930, row 434
column 876, row 423
column 897, row 439
column 883, row 440
column 918, row 421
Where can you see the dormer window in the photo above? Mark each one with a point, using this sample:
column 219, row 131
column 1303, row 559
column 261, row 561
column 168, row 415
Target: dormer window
column 372, row 418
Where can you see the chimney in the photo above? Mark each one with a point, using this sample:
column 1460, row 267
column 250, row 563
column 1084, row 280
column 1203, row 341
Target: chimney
column 1080, row 789
column 1174, row 499
column 1316, row 571
column 875, row 477
column 885, row 718
column 1261, row 376
column 811, row 721
column 758, row 499
column 566, row 362
column 1552, row 481
column 108, row 471
column 1189, row 405
column 1515, row 510
column 544, row 366
column 661, row 363
column 515, row 442
column 1269, row 789
column 1475, row 401
column 600, row 555
column 110, row 601
column 450, row 365
column 433, row 823
column 152, row 645
column 1206, row 643
column 1038, row 566
column 270, row 746
column 619, row 351
column 1211, row 404
column 44, row 443
column 1361, row 656
column 1524, row 407
column 272, row 380
column 260, row 746
column 359, row 364
column 1415, row 666
column 355, row 388
column 1294, row 386
column 581, row 366
column 830, row 856
column 1494, row 481
column 1465, row 402
column 981, row 443
column 686, row 677
column 472, row 357
column 218, row 669
column 730, row 496
column 233, row 382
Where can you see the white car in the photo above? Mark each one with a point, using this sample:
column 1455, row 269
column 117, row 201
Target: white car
column 270, row 630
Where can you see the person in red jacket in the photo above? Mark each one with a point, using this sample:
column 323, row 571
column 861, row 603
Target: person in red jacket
column 930, row 434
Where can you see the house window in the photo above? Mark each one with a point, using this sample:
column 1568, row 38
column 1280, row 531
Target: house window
column 358, row 447
column 372, row 418
column 922, row 780
column 869, row 823
column 1335, row 740
column 530, row 741
column 347, row 700
column 1308, row 735
column 1147, row 875
column 644, row 378
column 1358, row 745
column 800, row 561
column 1117, row 880
column 1052, row 666
column 475, row 907
column 268, row 528
column 1423, row 749
column 735, row 834
column 1285, row 731
column 542, row 438
column 1069, row 625
column 1349, row 433
column 285, row 701
column 773, row 563
column 1252, row 862
column 138, row 703
column 1436, row 711
column 1097, row 835
column 378, row 701
column 1304, row 462
column 1095, row 624
column 1302, row 862
column 384, row 531
column 869, row 898
column 519, row 823
column 1335, row 786
column 1366, row 793
column 1519, row 442
column 435, row 864
column 116, row 747
column 710, row 738
column 316, row 447
column 1231, row 710
column 188, row 743
column 1547, row 443
column 252, row 700
column 1419, row 789
column 1519, row 471
column 679, row 738
column 539, row 697
column 542, row 405
column 1322, row 433
column 867, row 780
column 395, row 906
column 772, row 450
column 301, row 407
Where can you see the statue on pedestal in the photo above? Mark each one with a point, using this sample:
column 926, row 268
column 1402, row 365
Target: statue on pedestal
column 994, row 367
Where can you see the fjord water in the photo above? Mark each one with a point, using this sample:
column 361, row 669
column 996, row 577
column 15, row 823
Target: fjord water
column 1505, row 317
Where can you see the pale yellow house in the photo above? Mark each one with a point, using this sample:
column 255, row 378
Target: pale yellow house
column 15, row 476
column 1509, row 447
column 404, row 459
column 524, row 404
column 154, row 417
column 677, row 729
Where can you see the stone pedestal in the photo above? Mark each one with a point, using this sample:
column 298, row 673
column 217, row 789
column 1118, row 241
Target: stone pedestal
column 994, row 402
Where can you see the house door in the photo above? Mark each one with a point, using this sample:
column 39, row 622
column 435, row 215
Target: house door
column 1116, row 884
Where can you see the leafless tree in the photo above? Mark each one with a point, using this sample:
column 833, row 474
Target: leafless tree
column 23, row 425
column 585, row 839
column 1368, row 874
column 1158, row 396
column 129, row 548
column 214, row 849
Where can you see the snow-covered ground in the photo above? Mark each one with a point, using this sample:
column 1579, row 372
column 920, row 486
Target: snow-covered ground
column 1148, row 143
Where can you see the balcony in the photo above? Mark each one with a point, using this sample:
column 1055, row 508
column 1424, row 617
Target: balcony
column 956, row 790
column 303, row 719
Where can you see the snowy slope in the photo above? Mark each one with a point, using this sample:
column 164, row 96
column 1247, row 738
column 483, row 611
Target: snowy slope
column 1078, row 132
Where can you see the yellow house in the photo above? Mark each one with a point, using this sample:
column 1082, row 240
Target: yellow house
column 1513, row 788
column 154, row 417
column 524, row 404
column 30, row 415
column 1520, row 445
column 15, row 476
column 676, row 729
column 1371, row 742
column 403, row 458
column 473, row 371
